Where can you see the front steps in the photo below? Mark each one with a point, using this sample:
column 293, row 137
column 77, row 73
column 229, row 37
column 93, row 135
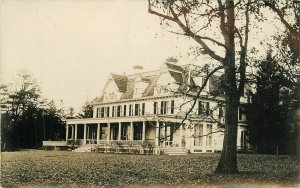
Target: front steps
column 85, row 149
column 175, row 151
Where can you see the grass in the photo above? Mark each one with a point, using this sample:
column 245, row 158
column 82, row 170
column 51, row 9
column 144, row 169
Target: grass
column 70, row 169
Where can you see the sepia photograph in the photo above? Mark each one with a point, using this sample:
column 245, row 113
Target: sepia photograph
column 150, row 93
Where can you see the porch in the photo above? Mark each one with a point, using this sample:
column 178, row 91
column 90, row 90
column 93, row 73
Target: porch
column 121, row 136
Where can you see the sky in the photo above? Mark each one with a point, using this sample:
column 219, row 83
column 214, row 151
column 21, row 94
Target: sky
column 70, row 47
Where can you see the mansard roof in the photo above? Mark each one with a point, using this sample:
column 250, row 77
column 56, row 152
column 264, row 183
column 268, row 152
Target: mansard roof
column 150, row 89
column 177, row 76
column 121, row 81
column 129, row 90
column 126, row 84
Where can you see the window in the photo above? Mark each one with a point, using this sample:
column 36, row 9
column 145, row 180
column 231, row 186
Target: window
column 220, row 111
column 119, row 111
column 244, row 136
column 107, row 112
column 209, row 135
column 241, row 112
column 103, row 132
column 102, row 112
column 163, row 107
column 124, row 110
column 130, row 110
column 137, row 133
column 203, row 108
column 136, row 109
column 200, row 108
column 124, row 132
column 155, row 108
column 98, row 113
column 207, row 109
column 198, row 141
column 172, row 106
column 143, row 109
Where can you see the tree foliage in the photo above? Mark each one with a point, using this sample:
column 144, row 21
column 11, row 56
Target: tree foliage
column 26, row 121
column 270, row 114
column 86, row 111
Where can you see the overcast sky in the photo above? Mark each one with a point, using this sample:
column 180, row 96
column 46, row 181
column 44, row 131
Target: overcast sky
column 70, row 47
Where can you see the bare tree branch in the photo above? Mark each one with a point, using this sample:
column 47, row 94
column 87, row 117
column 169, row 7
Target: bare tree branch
column 244, row 48
column 292, row 30
column 188, row 32
column 199, row 92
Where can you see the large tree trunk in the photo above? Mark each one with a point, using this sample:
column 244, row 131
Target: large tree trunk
column 228, row 160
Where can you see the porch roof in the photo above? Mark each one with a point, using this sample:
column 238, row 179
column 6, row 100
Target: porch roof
column 164, row 118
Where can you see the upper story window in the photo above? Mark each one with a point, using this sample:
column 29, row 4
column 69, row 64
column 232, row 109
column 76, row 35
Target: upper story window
column 241, row 113
column 143, row 109
column 119, row 111
column 155, row 108
column 172, row 106
column 113, row 112
column 98, row 113
column 164, row 107
column 104, row 112
column 139, row 109
column 136, row 109
column 203, row 108
column 221, row 112
column 131, row 110
column 124, row 110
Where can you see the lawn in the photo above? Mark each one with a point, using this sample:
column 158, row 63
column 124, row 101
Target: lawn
column 70, row 169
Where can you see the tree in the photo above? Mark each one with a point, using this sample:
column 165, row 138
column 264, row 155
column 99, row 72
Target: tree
column 270, row 114
column 55, row 127
column 86, row 111
column 288, row 12
column 21, row 129
column 71, row 113
column 27, row 121
column 195, row 19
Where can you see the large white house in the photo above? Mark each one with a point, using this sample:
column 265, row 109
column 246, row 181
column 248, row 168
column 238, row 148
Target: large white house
column 147, row 111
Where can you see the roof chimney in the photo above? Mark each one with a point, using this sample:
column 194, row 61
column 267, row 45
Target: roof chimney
column 137, row 69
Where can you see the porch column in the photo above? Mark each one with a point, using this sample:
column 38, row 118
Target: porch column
column 108, row 132
column 72, row 134
column 164, row 130
column 204, row 133
column 131, row 131
column 67, row 132
column 119, row 132
column 156, row 133
column 180, row 135
column 144, row 131
column 88, row 132
column 98, row 133
column 75, row 131
column 84, row 134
